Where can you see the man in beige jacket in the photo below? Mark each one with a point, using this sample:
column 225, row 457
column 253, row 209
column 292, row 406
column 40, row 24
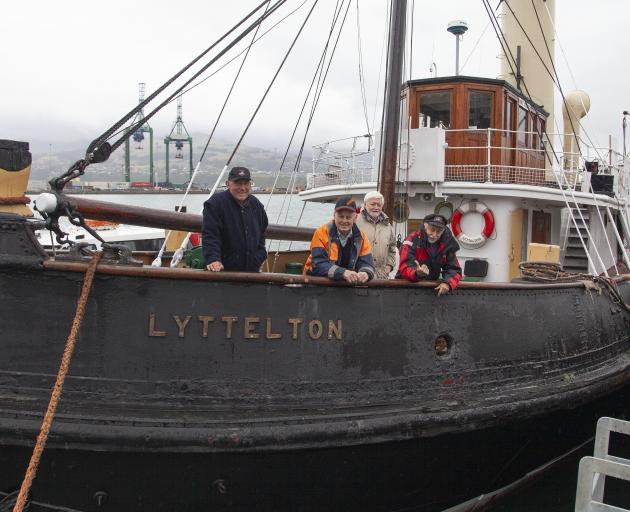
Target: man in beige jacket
column 380, row 233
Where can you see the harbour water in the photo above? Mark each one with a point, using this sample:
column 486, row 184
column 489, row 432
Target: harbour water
column 553, row 492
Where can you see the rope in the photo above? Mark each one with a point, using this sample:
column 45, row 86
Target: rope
column 56, row 393
column 543, row 271
column 15, row 200
column 550, row 272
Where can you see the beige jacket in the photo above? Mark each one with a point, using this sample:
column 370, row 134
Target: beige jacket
column 381, row 235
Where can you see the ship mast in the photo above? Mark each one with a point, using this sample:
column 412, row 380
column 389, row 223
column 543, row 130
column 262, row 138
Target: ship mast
column 391, row 125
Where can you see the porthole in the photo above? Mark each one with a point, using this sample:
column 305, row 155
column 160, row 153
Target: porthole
column 443, row 345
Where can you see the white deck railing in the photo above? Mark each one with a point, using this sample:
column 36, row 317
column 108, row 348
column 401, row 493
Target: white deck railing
column 351, row 161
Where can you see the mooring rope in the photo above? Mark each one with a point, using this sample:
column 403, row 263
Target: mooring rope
column 56, row 392
column 543, row 271
column 15, row 200
column 550, row 272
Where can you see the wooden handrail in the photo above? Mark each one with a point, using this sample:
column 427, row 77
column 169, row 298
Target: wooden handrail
column 155, row 218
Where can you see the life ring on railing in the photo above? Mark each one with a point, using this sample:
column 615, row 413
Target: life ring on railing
column 468, row 241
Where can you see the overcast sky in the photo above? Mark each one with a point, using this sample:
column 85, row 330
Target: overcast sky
column 70, row 69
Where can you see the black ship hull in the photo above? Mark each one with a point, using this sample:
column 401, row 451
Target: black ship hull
column 191, row 391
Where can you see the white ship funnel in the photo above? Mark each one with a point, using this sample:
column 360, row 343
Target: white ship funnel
column 533, row 79
column 577, row 105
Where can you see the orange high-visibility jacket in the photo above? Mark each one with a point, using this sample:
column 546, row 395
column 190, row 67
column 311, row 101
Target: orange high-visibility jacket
column 325, row 257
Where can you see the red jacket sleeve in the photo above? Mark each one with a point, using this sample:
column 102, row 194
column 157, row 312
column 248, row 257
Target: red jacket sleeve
column 408, row 259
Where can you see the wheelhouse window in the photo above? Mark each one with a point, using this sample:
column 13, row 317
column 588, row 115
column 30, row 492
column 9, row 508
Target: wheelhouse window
column 522, row 126
column 480, row 109
column 536, row 132
column 435, row 109
column 508, row 115
column 541, row 125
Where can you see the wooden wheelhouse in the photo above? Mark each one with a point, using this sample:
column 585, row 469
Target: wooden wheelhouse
column 494, row 133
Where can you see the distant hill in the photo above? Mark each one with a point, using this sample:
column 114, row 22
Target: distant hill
column 262, row 162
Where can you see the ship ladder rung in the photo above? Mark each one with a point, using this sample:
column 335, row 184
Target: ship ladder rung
column 594, row 470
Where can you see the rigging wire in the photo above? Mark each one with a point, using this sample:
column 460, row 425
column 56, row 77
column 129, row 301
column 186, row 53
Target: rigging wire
column 380, row 150
column 413, row 7
column 99, row 150
column 107, row 134
column 253, row 116
column 316, row 76
column 197, row 84
column 380, row 70
column 508, row 53
column 556, row 80
column 475, row 45
column 316, row 98
column 199, row 72
column 361, row 77
column 177, row 256
column 555, row 71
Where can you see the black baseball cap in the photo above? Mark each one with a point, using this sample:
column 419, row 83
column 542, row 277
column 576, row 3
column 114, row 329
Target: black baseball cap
column 345, row 203
column 239, row 174
column 436, row 220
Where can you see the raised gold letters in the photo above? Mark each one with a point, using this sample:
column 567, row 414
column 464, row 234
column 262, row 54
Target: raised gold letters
column 229, row 320
column 204, row 319
column 295, row 322
column 248, row 330
column 315, row 329
column 181, row 324
column 335, row 329
column 152, row 330
column 271, row 335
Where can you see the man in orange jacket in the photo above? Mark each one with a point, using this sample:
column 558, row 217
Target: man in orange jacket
column 340, row 250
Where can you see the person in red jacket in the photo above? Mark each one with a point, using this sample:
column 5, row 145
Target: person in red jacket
column 430, row 253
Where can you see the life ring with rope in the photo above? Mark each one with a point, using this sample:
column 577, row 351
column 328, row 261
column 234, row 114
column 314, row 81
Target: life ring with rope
column 468, row 241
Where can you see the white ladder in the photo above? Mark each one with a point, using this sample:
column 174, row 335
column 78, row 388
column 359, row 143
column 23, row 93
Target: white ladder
column 594, row 470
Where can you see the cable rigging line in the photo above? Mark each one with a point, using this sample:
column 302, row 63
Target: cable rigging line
column 316, row 76
column 197, row 84
column 556, row 80
column 508, row 53
column 361, row 77
column 380, row 70
column 198, row 73
column 475, row 45
column 599, row 213
column 177, row 256
column 316, row 97
column 107, row 134
column 99, row 150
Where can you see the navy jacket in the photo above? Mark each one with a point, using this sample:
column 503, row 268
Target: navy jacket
column 234, row 234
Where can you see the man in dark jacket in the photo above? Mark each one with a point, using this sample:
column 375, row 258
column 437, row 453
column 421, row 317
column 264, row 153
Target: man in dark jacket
column 429, row 253
column 233, row 227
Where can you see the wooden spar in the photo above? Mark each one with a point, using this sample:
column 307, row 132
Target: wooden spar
column 391, row 128
column 154, row 218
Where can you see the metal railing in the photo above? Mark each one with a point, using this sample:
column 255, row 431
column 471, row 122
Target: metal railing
column 593, row 471
column 351, row 161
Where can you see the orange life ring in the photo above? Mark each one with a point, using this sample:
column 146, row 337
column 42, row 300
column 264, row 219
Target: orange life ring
column 468, row 241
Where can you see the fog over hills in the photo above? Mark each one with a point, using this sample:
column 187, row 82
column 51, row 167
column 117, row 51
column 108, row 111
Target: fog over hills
column 53, row 159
